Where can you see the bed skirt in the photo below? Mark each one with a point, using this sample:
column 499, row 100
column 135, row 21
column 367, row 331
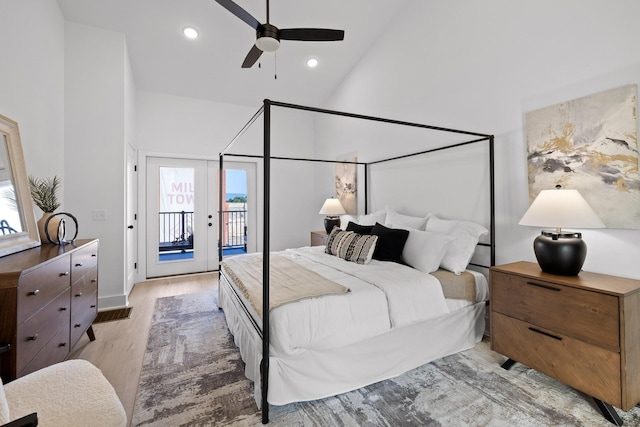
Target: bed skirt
column 316, row 374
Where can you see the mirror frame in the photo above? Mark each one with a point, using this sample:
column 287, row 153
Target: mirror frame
column 29, row 237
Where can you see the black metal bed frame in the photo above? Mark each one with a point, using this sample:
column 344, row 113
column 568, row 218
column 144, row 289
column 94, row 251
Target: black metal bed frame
column 266, row 157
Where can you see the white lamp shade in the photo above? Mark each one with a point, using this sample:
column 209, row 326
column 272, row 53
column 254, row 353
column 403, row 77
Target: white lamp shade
column 561, row 208
column 332, row 207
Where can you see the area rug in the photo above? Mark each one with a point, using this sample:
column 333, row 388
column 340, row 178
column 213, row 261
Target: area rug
column 192, row 375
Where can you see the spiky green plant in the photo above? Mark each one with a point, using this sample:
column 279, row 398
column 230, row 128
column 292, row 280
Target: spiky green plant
column 44, row 192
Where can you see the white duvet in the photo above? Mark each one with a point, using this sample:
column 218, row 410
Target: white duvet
column 383, row 296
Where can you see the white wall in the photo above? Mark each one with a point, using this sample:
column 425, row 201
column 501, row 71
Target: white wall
column 168, row 125
column 480, row 66
column 32, row 81
column 97, row 108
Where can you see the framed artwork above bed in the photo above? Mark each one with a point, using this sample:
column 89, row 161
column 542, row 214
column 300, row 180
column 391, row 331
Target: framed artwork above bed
column 589, row 144
column 347, row 185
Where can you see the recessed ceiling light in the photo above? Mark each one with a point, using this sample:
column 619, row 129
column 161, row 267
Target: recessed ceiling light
column 312, row 62
column 190, row 32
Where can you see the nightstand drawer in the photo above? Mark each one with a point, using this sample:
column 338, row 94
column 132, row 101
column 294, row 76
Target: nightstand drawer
column 581, row 314
column 588, row 368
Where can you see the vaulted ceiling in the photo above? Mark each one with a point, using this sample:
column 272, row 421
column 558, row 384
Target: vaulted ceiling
column 209, row 67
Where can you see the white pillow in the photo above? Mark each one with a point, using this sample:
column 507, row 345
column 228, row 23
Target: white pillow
column 345, row 219
column 466, row 235
column 371, row 219
column 400, row 220
column 4, row 406
column 424, row 250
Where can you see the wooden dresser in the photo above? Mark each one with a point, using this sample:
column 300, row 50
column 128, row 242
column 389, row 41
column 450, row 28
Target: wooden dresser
column 48, row 299
column 581, row 330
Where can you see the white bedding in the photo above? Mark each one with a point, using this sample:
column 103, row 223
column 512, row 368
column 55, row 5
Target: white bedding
column 383, row 295
column 317, row 345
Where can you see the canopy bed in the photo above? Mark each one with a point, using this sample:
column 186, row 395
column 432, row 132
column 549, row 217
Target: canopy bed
column 355, row 318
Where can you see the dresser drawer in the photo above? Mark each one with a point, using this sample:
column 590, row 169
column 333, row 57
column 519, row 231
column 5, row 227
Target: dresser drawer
column 83, row 260
column 588, row 368
column 54, row 351
column 39, row 286
column 83, row 313
column 34, row 334
column 582, row 314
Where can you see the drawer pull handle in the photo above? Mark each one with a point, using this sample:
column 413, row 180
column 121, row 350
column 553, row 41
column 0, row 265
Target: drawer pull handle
column 63, row 308
column 36, row 292
column 94, row 280
column 93, row 306
column 77, row 325
column 62, row 344
column 79, row 294
column 33, row 337
column 66, row 273
column 545, row 334
column 94, row 255
column 550, row 288
column 79, row 264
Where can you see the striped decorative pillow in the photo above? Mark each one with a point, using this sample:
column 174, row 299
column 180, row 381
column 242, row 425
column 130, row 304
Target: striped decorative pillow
column 351, row 246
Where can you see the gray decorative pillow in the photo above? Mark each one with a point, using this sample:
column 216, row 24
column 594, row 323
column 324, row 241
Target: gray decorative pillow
column 351, row 246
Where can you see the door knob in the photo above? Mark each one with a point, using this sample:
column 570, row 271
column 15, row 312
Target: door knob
column 130, row 227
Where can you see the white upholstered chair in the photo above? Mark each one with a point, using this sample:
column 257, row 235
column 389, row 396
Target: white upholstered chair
column 67, row 394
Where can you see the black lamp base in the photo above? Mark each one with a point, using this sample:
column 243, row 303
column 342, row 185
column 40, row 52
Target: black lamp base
column 560, row 253
column 330, row 222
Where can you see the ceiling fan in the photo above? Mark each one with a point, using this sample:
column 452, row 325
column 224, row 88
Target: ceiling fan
column 268, row 36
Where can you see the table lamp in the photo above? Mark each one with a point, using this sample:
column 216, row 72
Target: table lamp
column 560, row 252
column 332, row 208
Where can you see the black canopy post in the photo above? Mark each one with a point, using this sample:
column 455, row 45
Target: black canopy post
column 264, row 365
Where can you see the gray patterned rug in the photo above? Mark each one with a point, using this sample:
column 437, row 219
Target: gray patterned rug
column 192, row 375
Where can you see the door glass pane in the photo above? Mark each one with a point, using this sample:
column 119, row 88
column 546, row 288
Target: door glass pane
column 234, row 211
column 175, row 210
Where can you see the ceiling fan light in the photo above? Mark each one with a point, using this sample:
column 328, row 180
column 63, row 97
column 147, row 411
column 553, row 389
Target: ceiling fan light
column 267, row 44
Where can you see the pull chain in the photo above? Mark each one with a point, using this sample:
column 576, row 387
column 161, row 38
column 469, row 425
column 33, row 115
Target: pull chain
column 275, row 66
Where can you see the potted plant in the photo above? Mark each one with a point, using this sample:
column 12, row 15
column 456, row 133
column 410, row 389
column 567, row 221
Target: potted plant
column 44, row 192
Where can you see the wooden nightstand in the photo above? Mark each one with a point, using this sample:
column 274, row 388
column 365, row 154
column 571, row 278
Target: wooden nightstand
column 319, row 238
column 581, row 330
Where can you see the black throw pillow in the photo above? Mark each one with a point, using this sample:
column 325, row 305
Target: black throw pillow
column 360, row 229
column 390, row 244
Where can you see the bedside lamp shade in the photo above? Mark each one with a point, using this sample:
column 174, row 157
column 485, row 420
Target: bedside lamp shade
column 332, row 208
column 560, row 252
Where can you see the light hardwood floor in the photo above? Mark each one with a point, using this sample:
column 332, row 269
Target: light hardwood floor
column 120, row 345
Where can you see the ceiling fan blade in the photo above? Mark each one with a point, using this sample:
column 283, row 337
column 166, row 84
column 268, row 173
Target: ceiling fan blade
column 240, row 13
column 311, row 34
column 252, row 57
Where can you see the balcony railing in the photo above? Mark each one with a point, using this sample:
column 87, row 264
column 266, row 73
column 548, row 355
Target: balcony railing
column 234, row 229
column 176, row 230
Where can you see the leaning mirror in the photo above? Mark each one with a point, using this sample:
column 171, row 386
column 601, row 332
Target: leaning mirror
column 18, row 230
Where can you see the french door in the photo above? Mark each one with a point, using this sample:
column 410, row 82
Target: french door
column 181, row 210
column 182, row 215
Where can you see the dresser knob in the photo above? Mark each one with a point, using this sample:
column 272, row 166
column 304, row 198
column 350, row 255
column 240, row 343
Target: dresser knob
column 79, row 264
column 63, row 308
column 35, row 292
column 62, row 344
column 79, row 294
column 33, row 337
column 94, row 280
column 77, row 325
column 66, row 273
